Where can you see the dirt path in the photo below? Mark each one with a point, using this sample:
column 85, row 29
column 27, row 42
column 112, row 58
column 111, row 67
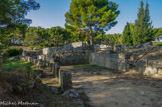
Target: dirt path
column 107, row 89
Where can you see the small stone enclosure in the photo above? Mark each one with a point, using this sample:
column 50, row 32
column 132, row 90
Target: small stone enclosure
column 145, row 59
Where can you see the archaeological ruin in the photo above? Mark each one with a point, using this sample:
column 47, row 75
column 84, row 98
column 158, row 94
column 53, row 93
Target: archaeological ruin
column 144, row 59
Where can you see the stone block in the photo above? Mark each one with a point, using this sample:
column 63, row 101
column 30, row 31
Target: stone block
column 160, row 71
column 150, row 71
column 56, row 69
column 65, row 81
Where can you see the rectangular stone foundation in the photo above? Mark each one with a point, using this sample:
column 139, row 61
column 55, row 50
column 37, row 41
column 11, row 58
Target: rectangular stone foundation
column 65, row 81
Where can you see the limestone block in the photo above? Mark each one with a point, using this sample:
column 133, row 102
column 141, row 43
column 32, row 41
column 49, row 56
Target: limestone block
column 150, row 71
column 107, row 62
column 48, row 51
column 56, row 69
column 77, row 44
column 100, row 47
column 160, row 71
column 65, row 81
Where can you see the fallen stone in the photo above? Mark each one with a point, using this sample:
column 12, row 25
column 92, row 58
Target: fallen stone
column 71, row 93
column 38, row 79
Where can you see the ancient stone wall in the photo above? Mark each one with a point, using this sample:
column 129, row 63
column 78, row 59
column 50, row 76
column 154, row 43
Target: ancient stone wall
column 65, row 80
column 72, row 54
column 145, row 60
column 109, row 59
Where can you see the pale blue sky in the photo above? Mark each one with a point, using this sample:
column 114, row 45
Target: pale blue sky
column 51, row 13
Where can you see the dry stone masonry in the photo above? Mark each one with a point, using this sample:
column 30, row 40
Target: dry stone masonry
column 145, row 59
column 65, row 80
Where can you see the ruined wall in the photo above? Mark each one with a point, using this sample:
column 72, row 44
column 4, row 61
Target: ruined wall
column 146, row 60
column 71, row 54
column 109, row 59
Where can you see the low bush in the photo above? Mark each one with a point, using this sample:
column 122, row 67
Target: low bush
column 157, row 43
column 21, row 67
column 12, row 52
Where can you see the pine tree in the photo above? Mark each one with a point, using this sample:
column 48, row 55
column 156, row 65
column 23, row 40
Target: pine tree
column 91, row 16
column 127, row 36
column 143, row 31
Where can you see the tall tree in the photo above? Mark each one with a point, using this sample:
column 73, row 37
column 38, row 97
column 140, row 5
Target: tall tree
column 143, row 26
column 57, row 36
column 127, row 35
column 112, row 39
column 36, row 37
column 91, row 16
column 157, row 32
column 14, row 11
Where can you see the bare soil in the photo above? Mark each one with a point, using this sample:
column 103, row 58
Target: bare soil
column 109, row 88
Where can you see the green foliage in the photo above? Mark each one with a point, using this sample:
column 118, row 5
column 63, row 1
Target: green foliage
column 89, row 17
column 12, row 52
column 36, row 37
column 143, row 31
column 112, row 39
column 157, row 32
column 127, row 38
column 100, row 38
column 157, row 43
column 13, row 23
column 57, row 36
column 19, row 66
column 14, row 11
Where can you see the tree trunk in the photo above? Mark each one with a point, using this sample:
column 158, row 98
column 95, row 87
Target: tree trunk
column 91, row 36
column 91, row 39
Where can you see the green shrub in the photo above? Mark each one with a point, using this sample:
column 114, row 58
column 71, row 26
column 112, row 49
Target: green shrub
column 157, row 43
column 21, row 67
column 12, row 52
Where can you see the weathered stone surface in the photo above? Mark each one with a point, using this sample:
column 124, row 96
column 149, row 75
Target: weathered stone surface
column 160, row 71
column 150, row 71
column 56, row 70
column 1, row 63
column 75, row 45
column 71, row 93
column 122, row 57
column 65, row 80
column 100, row 47
column 38, row 79
column 110, row 60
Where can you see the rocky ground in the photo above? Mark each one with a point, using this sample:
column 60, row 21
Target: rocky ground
column 108, row 88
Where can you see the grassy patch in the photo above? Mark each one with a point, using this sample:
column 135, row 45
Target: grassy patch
column 15, row 65
column 91, row 66
column 157, row 43
column 24, row 68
